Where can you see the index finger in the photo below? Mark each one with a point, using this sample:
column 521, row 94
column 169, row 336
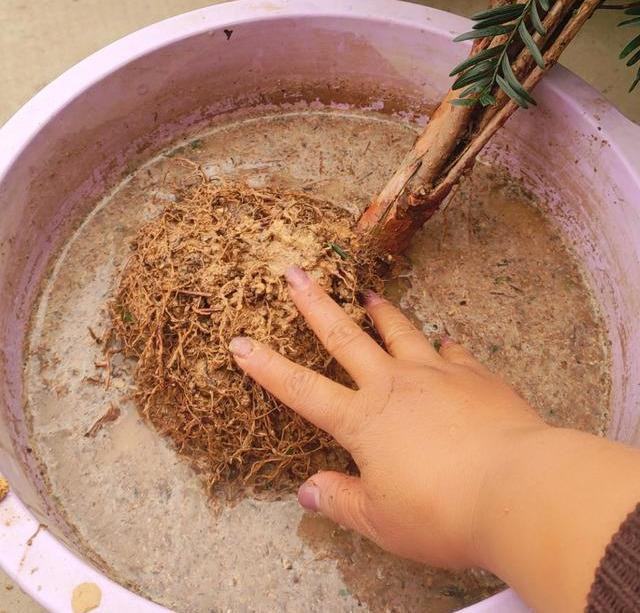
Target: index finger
column 354, row 349
column 321, row 401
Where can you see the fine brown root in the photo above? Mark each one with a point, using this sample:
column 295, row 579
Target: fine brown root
column 111, row 414
column 210, row 268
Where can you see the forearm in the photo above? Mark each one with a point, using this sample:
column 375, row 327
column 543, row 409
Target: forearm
column 550, row 510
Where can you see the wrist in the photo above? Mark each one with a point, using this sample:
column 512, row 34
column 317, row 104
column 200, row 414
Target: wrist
column 510, row 481
column 548, row 511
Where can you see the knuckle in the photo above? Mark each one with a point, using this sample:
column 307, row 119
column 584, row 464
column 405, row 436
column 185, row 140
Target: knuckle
column 345, row 424
column 397, row 332
column 340, row 335
column 353, row 510
column 300, row 383
column 373, row 402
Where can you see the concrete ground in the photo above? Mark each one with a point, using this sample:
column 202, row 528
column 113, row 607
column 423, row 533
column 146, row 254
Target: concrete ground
column 39, row 40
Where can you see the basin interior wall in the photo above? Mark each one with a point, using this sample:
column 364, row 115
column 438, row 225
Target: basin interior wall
column 566, row 150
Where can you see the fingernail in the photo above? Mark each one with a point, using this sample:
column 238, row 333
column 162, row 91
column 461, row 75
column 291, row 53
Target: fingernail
column 309, row 496
column 370, row 298
column 446, row 340
column 241, row 346
column 296, row 277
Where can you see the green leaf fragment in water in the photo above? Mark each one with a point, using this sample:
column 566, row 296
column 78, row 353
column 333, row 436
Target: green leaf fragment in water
column 339, row 250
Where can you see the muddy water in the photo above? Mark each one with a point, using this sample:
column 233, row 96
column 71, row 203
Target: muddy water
column 489, row 270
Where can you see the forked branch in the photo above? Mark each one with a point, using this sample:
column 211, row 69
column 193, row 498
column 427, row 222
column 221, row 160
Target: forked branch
column 455, row 135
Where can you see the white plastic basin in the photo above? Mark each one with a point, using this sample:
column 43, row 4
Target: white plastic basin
column 73, row 140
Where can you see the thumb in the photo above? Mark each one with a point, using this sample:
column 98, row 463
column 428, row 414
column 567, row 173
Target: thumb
column 341, row 498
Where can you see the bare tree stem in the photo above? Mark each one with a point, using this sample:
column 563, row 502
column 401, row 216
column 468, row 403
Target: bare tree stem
column 618, row 7
column 440, row 156
column 582, row 14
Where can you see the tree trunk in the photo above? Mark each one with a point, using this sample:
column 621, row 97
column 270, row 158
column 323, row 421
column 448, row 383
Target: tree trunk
column 455, row 135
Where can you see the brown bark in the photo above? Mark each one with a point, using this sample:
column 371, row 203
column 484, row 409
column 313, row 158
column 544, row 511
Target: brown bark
column 455, row 136
column 425, row 161
column 468, row 156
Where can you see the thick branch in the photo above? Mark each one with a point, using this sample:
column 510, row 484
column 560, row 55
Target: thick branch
column 429, row 155
column 426, row 159
column 439, row 158
column 619, row 7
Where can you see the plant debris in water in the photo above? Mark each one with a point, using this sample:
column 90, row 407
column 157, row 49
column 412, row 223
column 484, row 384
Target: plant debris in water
column 112, row 413
column 210, row 268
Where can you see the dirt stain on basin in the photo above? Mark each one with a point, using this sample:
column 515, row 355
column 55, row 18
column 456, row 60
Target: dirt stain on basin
column 85, row 597
column 4, row 488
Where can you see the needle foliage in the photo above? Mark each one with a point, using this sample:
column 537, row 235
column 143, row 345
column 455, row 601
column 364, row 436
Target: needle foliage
column 509, row 29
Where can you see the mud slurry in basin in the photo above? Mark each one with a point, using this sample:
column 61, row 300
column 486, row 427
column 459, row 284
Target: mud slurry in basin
column 142, row 512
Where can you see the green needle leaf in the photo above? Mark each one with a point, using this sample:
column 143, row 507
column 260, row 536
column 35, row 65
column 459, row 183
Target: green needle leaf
column 632, row 46
column 628, row 22
column 468, row 79
column 531, row 45
column 476, row 59
column 535, row 20
column 500, row 19
column 634, row 59
column 479, row 67
column 492, row 31
column 499, row 10
column 464, row 102
column 476, row 87
column 513, row 82
column 514, row 95
column 631, row 49
column 544, row 4
column 486, row 99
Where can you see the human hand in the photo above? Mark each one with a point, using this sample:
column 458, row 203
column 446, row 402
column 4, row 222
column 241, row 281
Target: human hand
column 426, row 428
